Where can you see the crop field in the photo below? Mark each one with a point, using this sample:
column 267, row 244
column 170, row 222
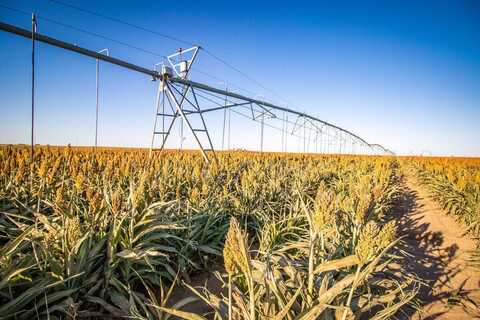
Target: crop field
column 113, row 233
column 219, row 160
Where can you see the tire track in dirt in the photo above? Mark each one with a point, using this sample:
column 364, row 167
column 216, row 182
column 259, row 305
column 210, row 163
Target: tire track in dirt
column 437, row 252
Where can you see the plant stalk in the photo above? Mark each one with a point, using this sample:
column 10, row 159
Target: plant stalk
column 350, row 295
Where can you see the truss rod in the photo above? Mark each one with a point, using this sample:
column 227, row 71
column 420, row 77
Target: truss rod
column 259, row 102
column 68, row 46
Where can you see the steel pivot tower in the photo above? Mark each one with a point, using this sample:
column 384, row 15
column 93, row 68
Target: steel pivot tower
column 180, row 101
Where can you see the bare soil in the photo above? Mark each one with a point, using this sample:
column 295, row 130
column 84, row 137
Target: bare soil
column 437, row 251
column 199, row 281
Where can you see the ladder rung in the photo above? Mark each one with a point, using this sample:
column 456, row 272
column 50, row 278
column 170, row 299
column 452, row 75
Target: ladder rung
column 160, row 132
column 165, row 115
column 201, row 130
column 207, row 149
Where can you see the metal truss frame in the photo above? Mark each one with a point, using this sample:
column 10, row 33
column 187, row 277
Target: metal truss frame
column 178, row 92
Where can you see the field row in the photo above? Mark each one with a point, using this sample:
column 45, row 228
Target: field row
column 455, row 184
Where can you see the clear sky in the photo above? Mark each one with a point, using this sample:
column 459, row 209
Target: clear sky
column 405, row 74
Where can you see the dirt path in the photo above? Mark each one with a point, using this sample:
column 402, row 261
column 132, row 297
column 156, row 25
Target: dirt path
column 437, row 253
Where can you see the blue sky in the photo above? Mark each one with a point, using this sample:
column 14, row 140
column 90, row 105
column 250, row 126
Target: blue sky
column 405, row 74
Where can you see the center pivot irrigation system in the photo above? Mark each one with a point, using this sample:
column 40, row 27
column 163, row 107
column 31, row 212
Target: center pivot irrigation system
column 179, row 97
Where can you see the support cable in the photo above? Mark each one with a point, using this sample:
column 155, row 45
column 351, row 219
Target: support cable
column 138, row 27
column 91, row 12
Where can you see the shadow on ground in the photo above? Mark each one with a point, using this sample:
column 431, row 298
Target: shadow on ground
column 426, row 257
